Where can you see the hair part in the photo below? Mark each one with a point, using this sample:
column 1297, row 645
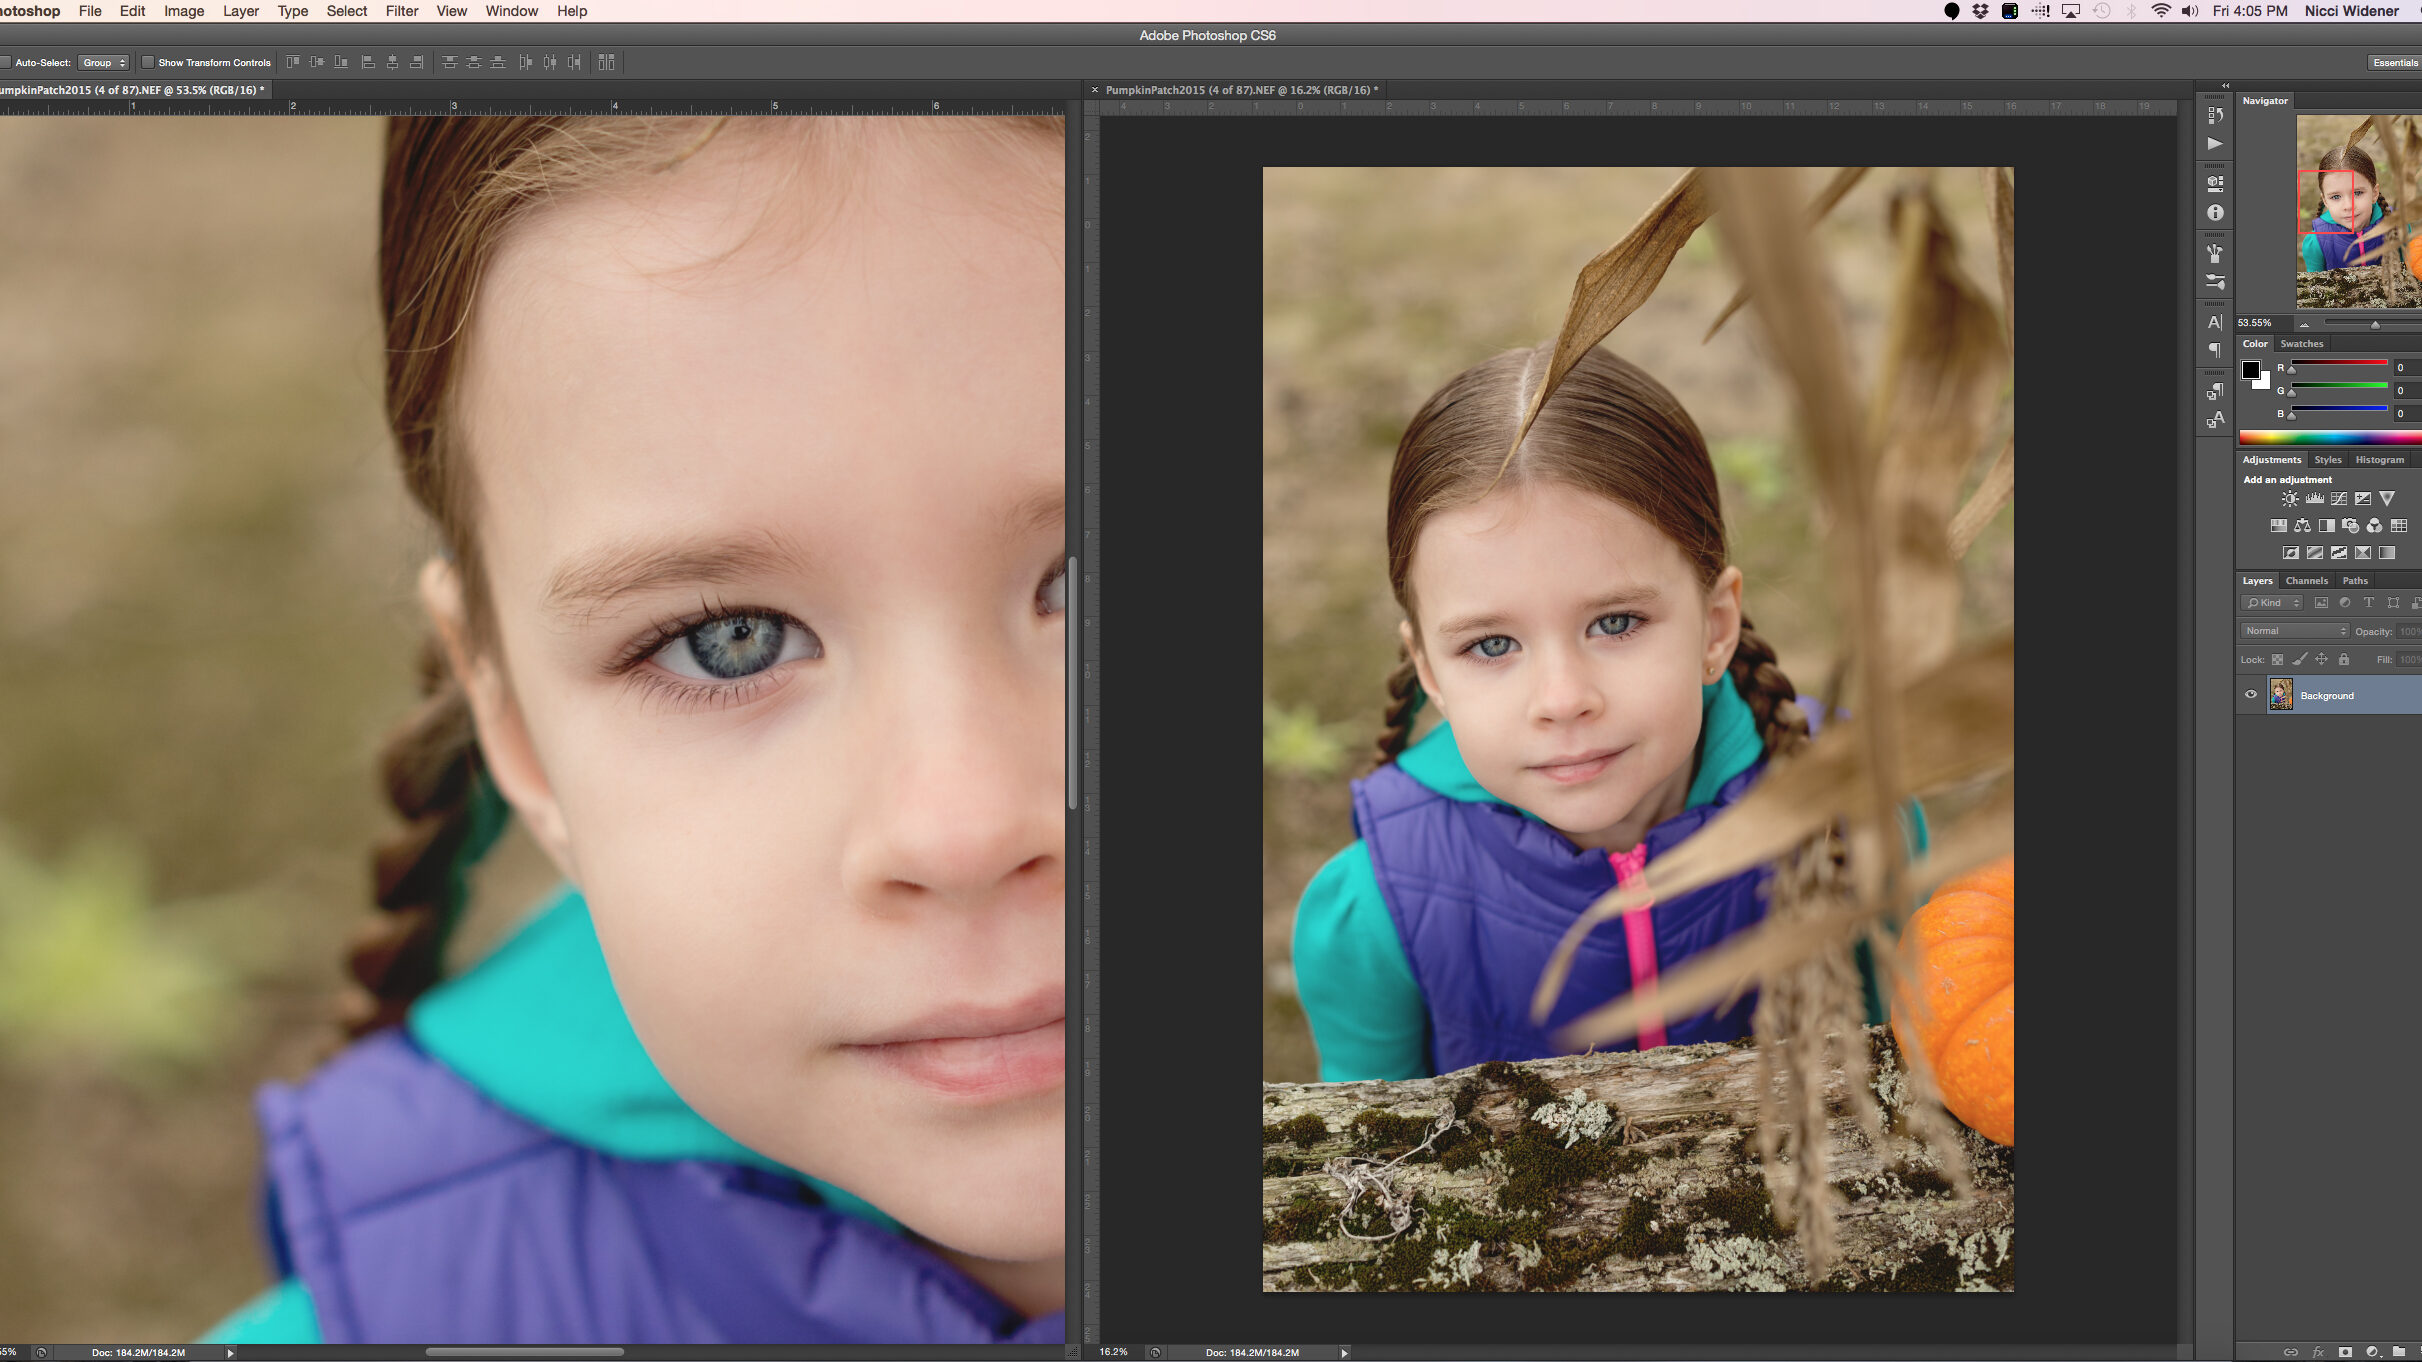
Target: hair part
column 2351, row 157
column 454, row 188
column 1609, row 429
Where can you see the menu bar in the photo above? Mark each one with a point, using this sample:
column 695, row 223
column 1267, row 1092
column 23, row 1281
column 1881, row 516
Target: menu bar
column 1228, row 21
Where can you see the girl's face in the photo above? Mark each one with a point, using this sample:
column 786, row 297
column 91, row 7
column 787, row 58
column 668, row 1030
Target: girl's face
column 2347, row 197
column 1566, row 638
column 770, row 475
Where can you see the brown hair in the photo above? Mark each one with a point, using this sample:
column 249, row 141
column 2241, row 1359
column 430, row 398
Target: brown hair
column 1609, row 429
column 453, row 188
column 2350, row 157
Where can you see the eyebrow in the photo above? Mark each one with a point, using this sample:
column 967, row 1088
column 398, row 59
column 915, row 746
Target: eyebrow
column 1636, row 595
column 597, row 579
column 1038, row 512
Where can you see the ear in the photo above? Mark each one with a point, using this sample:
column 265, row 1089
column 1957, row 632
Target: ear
column 1723, row 623
column 504, row 737
column 1421, row 666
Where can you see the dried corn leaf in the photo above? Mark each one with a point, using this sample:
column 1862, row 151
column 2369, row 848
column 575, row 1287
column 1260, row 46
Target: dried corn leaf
column 1719, row 976
column 2002, row 207
column 1801, row 319
column 1841, row 183
column 1982, row 834
column 2390, row 225
column 1943, row 364
column 1990, row 496
column 2360, row 129
column 1614, row 285
column 1960, row 724
column 1711, row 975
column 1803, row 327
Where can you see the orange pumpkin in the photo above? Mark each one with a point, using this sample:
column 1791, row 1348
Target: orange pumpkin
column 1959, row 1000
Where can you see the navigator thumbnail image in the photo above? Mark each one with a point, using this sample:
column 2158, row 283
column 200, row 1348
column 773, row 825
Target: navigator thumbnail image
column 2355, row 183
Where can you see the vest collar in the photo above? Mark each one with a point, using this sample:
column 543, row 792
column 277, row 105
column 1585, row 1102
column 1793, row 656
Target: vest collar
column 537, row 1026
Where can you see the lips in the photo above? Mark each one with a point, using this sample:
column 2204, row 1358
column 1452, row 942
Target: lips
column 978, row 1054
column 1578, row 767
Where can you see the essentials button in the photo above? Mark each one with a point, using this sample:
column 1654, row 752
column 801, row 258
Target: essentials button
column 2393, row 63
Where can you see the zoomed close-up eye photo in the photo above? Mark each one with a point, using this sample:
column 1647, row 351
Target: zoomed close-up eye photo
column 517, row 826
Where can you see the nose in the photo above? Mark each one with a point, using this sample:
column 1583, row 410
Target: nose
column 1563, row 690
column 965, row 808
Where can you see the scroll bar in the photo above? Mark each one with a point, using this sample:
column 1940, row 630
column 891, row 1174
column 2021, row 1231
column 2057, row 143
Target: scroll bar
column 1074, row 688
column 521, row 1352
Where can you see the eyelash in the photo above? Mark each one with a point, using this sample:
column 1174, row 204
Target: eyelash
column 681, row 690
column 712, row 695
column 1472, row 649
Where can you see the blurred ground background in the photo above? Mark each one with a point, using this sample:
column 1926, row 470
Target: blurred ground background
column 1379, row 284
column 206, row 625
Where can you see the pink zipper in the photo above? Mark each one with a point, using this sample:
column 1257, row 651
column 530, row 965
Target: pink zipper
column 1640, row 938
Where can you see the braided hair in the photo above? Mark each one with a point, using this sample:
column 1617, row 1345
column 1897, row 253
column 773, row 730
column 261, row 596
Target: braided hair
column 1609, row 429
column 453, row 186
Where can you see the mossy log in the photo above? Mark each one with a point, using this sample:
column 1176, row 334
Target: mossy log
column 1643, row 1176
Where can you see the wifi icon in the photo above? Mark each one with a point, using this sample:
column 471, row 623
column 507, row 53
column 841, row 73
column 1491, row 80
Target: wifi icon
column 2162, row 10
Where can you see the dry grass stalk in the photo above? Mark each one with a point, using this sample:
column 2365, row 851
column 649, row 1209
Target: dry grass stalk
column 1796, row 1022
column 1889, row 483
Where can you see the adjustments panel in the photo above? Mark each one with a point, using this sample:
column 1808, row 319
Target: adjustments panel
column 2328, row 458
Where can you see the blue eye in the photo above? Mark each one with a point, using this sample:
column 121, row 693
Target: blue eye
column 1495, row 645
column 1625, row 621
column 731, row 647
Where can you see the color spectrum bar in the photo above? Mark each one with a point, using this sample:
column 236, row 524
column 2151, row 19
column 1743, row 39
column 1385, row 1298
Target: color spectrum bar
column 2329, row 437
column 2335, row 383
column 2331, row 406
column 2300, row 361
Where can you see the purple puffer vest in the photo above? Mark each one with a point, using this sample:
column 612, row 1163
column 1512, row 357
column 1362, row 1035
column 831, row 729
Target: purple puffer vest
column 417, row 1211
column 1481, row 894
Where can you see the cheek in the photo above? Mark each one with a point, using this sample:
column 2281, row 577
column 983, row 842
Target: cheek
column 707, row 864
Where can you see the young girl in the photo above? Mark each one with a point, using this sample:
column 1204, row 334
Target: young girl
column 2350, row 206
column 744, row 440
column 1570, row 615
